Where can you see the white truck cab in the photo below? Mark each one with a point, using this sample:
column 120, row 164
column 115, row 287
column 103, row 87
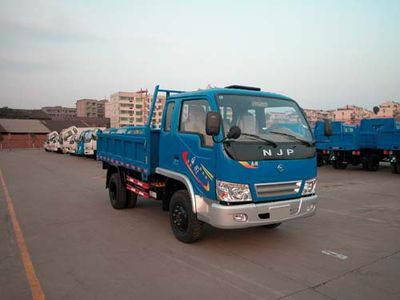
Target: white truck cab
column 51, row 143
column 90, row 141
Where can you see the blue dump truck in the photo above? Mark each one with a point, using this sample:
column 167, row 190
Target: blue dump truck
column 389, row 144
column 230, row 157
column 340, row 137
column 384, row 134
column 375, row 140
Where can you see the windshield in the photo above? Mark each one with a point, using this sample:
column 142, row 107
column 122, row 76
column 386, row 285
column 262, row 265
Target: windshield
column 88, row 136
column 277, row 120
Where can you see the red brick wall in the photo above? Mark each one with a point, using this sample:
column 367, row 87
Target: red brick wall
column 22, row 141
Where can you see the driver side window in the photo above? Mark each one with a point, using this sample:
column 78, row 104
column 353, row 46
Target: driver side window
column 193, row 119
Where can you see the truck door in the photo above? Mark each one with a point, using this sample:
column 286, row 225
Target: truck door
column 193, row 148
column 184, row 146
column 168, row 137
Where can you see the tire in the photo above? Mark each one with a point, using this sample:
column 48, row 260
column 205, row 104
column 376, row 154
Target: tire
column 364, row 164
column 396, row 167
column 117, row 192
column 131, row 199
column 339, row 165
column 184, row 223
column 320, row 160
column 373, row 163
column 272, row 226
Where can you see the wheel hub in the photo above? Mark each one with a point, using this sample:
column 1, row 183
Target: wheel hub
column 180, row 218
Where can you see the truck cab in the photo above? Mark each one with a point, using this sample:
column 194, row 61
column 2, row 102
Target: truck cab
column 90, row 141
column 232, row 157
column 64, row 138
column 49, row 144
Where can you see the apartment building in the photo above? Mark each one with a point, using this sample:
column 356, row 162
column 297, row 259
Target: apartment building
column 314, row 115
column 132, row 108
column 60, row 112
column 91, row 108
column 351, row 114
column 389, row 109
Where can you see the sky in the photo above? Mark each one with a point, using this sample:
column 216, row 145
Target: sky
column 324, row 54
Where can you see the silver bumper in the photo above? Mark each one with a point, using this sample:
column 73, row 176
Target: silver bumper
column 222, row 216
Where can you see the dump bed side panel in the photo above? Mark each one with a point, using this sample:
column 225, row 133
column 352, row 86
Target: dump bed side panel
column 377, row 133
column 344, row 137
column 131, row 150
column 389, row 140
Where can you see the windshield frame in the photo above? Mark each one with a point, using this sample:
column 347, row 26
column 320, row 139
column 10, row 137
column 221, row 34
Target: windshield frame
column 300, row 111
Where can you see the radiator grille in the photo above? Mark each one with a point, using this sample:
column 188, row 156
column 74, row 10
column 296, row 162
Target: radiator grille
column 277, row 189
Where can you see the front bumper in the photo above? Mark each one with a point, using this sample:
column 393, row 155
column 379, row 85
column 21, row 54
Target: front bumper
column 258, row 214
column 88, row 151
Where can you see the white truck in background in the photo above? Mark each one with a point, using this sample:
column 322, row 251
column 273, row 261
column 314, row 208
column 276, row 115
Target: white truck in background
column 64, row 138
column 90, row 141
column 51, row 144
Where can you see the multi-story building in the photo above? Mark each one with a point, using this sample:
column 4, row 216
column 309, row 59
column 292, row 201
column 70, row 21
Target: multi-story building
column 351, row 114
column 314, row 115
column 91, row 108
column 60, row 112
column 132, row 108
column 389, row 109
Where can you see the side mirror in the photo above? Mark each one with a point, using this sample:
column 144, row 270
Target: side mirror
column 213, row 123
column 234, row 133
column 327, row 127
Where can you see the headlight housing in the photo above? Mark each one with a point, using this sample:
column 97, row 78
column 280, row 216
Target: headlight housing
column 233, row 192
column 309, row 186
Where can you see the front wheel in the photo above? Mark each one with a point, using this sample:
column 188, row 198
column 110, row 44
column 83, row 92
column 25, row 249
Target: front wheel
column 184, row 223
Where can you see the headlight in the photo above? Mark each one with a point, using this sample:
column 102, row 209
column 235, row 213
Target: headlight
column 309, row 186
column 232, row 192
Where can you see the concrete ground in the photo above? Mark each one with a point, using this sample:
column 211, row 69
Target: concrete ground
column 81, row 248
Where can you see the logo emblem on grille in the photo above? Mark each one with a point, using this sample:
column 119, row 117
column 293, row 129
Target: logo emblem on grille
column 280, row 168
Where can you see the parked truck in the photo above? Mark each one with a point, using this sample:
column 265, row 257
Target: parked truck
column 224, row 157
column 90, row 142
column 388, row 141
column 340, row 139
column 51, row 143
column 64, row 138
column 374, row 141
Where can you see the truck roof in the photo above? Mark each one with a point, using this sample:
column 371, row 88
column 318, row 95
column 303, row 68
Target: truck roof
column 215, row 91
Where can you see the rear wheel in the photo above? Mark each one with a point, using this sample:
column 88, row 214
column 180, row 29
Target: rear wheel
column 339, row 165
column 320, row 160
column 120, row 197
column 373, row 162
column 185, row 225
column 131, row 199
column 396, row 167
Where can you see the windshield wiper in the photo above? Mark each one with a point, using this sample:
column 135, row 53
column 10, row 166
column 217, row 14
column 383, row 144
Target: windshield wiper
column 304, row 142
column 260, row 138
